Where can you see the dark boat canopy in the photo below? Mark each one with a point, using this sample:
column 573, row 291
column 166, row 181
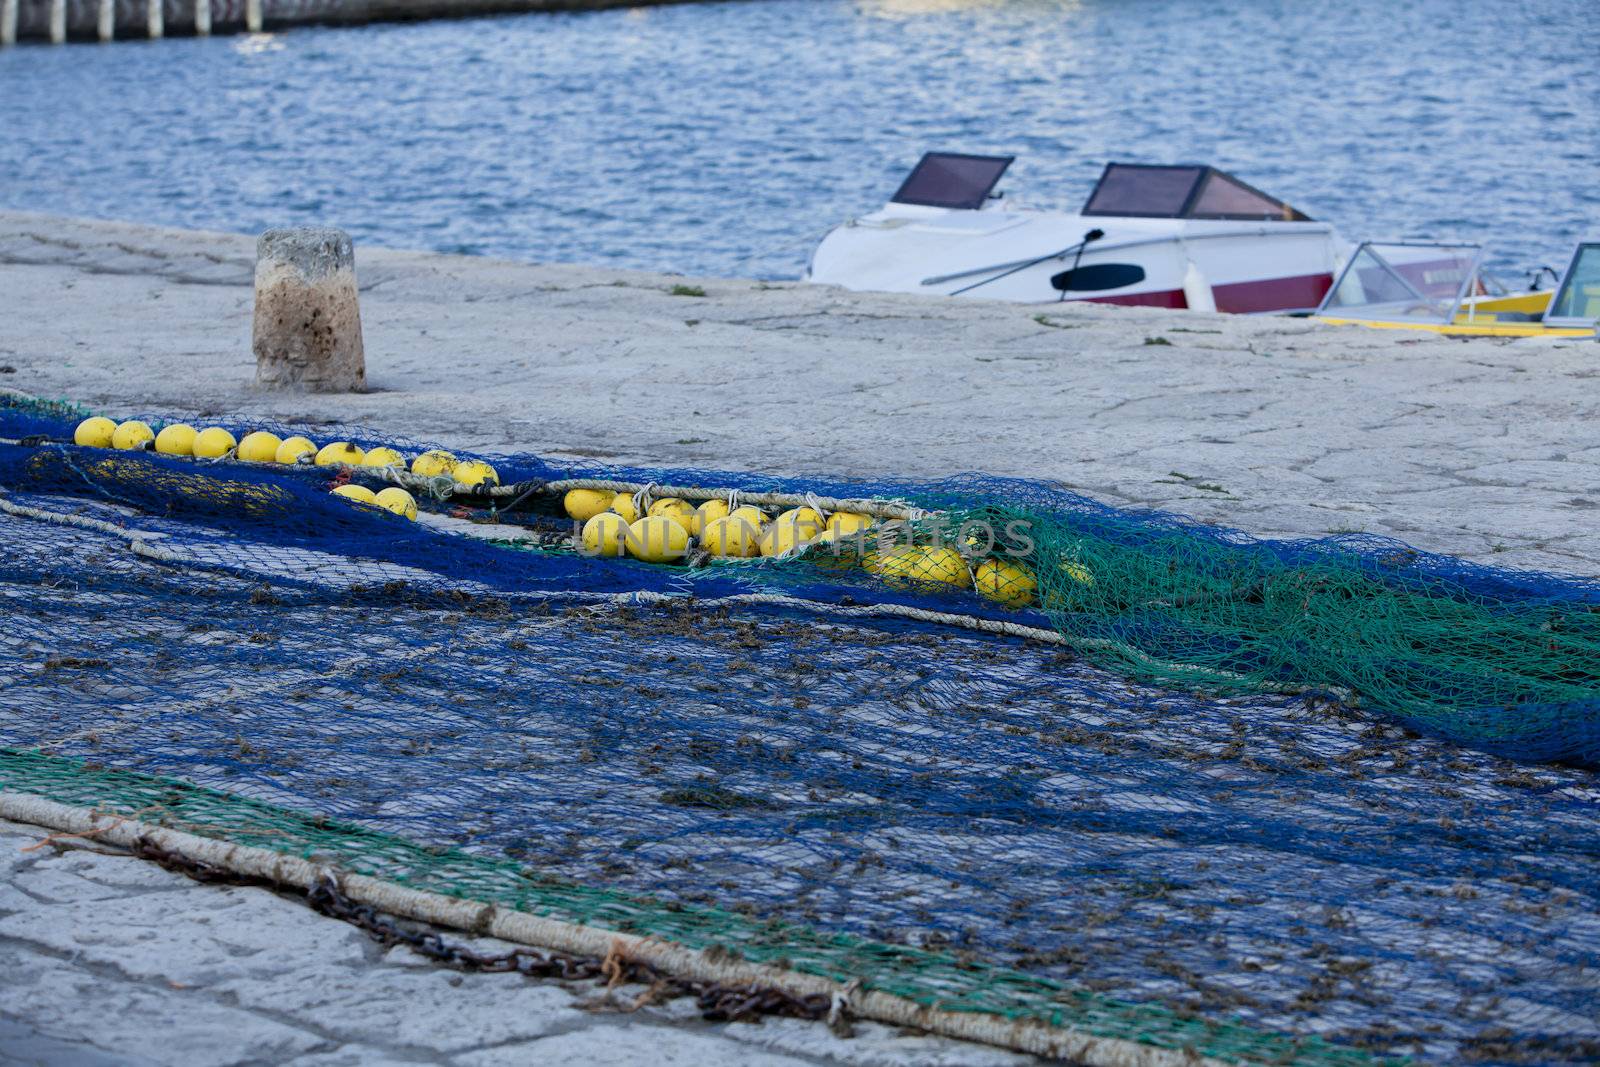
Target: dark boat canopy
column 1183, row 192
column 951, row 179
column 1140, row 190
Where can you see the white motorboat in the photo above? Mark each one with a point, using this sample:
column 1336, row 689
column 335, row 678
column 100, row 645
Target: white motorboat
column 1185, row 236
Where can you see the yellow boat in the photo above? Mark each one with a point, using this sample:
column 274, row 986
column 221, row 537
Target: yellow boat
column 1443, row 289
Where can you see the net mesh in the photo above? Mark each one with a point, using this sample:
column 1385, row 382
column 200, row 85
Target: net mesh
column 1134, row 828
column 1503, row 661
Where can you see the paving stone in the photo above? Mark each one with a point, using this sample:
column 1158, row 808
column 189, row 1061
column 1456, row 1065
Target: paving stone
column 21, row 1045
column 191, row 940
column 872, row 1045
column 433, row 1008
column 74, row 1002
column 628, row 1043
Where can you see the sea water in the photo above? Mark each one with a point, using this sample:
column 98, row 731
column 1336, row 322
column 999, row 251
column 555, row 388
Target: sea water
column 726, row 138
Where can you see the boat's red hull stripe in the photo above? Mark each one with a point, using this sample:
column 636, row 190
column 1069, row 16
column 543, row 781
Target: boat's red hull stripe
column 1167, row 298
column 1266, row 294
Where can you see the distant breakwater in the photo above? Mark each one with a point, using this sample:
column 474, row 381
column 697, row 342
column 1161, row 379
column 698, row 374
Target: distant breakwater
column 61, row 21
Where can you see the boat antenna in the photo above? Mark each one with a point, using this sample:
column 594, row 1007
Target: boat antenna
column 1093, row 235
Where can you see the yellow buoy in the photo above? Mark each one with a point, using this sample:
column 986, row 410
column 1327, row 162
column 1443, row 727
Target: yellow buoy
column 1078, row 572
column 924, row 568
column 475, row 472
column 623, row 504
column 730, row 536
column 585, row 504
column 94, row 432
column 293, row 448
column 433, row 463
column 1004, row 581
column 751, row 514
column 259, row 447
column 359, row 493
column 892, row 560
column 339, row 453
column 847, row 523
column 845, row 541
column 657, row 539
column 397, row 500
column 781, row 536
column 835, row 554
column 677, row 510
column 382, row 457
column 604, row 534
column 213, row 442
column 707, row 513
column 808, row 519
column 176, row 440
column 132, row 434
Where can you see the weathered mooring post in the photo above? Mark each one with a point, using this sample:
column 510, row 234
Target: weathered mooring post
column 155, row 20
column 252, row 15
column 202, row 18
column 58, row 21
column 105, row 24
column 307, row 331
column 8, row 23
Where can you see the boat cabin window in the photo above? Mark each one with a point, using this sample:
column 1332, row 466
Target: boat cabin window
column 950, row 179
column 1577, row 302
column 1183, row 192
column 1419, row 282
column 1225, row 197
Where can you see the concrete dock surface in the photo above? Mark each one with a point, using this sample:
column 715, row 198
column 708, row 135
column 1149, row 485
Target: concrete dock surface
column 1483, row 448
column 1281, row 427
column 109, row 959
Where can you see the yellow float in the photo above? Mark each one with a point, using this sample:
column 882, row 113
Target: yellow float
column 131, row 435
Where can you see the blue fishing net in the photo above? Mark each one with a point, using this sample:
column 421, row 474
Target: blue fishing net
column 1284, row 859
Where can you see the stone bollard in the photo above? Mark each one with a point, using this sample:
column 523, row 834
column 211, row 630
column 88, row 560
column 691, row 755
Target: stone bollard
column 308, row 323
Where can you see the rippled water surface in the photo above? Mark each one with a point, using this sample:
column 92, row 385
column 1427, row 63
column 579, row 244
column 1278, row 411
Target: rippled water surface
column 725, row 138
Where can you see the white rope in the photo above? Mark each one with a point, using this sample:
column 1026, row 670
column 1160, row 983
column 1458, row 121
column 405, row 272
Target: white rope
column 138, row 540
column 641, row 499
column 482, row 918
column 903, row 611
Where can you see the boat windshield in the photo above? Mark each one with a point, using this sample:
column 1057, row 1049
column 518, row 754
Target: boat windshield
column 953, row 180
column 1577, row 302
column 1183, row 192
column 1406, row 282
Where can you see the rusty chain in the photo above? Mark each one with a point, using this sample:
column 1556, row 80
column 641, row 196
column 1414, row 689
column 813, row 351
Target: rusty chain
column 717, row 1002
